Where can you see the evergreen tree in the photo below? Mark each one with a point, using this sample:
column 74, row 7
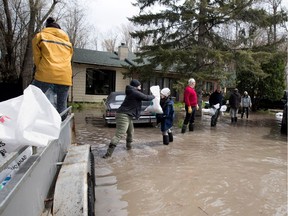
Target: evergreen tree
column 188, row 38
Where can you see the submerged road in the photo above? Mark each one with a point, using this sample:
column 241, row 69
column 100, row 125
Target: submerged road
column 232, row 169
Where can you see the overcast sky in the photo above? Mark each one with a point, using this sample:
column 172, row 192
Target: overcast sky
column 108, row 14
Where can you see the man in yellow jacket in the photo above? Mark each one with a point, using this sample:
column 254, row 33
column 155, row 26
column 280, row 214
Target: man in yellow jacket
column 52, row 53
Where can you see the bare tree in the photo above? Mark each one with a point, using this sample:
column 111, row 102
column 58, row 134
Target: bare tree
column 26, row 72
column 94, row 38
column 75, row 25
column 94, row 42
column 126, row 37
column 110, row 41
column 20, row 21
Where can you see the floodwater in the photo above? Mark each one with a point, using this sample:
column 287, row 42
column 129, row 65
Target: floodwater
column 231, row 169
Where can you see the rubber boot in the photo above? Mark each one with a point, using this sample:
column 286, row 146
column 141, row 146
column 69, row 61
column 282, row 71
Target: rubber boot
column 235, row 119
column 128, row 146
column 191, row 127
column 165, row 139
column 232, row 119
column 183, row 130
column 213, row 124
column 109, row 151
column 170, row 137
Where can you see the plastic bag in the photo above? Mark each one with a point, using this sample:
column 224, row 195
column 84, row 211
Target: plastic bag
column 212, row 111
column 52, row 97
column 216, row 106
column 29, row 119
column 223, row 108
column 155, row 105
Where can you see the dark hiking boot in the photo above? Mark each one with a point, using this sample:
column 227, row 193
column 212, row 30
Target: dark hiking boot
column 183, row 130
column 232, row 119
column 170, row 135
column 128, row 146
column 109, row 151
column 165, row 139
column 191, row 127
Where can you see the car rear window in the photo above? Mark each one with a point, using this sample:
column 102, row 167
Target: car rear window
column 120, row 97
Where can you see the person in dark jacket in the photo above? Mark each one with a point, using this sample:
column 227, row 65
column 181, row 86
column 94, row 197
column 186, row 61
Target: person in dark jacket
column 216, row 98
column 167, row 117
column 129, row 109
column 234, row 102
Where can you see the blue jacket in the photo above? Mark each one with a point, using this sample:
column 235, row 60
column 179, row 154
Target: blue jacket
column 166, row 119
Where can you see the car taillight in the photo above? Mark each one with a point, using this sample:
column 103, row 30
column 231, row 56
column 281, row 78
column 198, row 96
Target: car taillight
column 110, row 113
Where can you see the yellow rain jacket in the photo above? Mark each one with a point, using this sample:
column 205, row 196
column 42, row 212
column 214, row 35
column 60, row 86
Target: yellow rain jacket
column 52, row 53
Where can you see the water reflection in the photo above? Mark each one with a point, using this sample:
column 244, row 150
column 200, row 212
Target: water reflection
column 225, row 170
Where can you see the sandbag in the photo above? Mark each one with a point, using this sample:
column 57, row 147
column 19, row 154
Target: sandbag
column 155, row 104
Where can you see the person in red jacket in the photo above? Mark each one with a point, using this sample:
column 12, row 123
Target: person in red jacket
column 191, row 105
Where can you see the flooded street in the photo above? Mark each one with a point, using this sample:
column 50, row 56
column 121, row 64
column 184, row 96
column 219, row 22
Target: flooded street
column 225, row 170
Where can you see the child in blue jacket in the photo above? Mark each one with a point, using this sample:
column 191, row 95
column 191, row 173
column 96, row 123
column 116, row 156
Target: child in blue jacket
column 166, row 119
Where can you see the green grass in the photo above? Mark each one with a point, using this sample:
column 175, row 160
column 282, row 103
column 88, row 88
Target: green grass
column 85, row 105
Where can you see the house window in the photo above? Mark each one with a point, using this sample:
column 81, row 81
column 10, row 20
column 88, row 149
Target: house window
column 162, row 82
column 99, row 81
column 209, row 87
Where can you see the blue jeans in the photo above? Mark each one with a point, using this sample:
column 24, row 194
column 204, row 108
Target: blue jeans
column 233, row 112
column 60, row 90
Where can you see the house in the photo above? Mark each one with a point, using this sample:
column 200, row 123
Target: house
column 97, row 73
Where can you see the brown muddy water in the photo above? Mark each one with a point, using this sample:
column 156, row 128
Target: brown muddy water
column 232, row 169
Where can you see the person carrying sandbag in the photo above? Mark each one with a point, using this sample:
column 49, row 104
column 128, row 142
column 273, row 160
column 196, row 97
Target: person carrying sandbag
column 131, row 107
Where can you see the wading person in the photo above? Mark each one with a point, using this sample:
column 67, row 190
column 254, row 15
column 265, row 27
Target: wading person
column 52, row 54
column 234, row 102
column 191, row 105
column 131, row 107
column 215, row 98
column 245, row 104
column 166, row 119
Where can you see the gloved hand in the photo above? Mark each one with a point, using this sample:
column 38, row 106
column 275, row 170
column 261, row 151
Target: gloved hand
column 189, row 109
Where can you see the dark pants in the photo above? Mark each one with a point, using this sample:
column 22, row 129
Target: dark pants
column 190, row 117
column 244, row 110
column 214, row 118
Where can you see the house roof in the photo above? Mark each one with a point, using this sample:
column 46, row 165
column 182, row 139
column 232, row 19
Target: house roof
column 103, row 58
